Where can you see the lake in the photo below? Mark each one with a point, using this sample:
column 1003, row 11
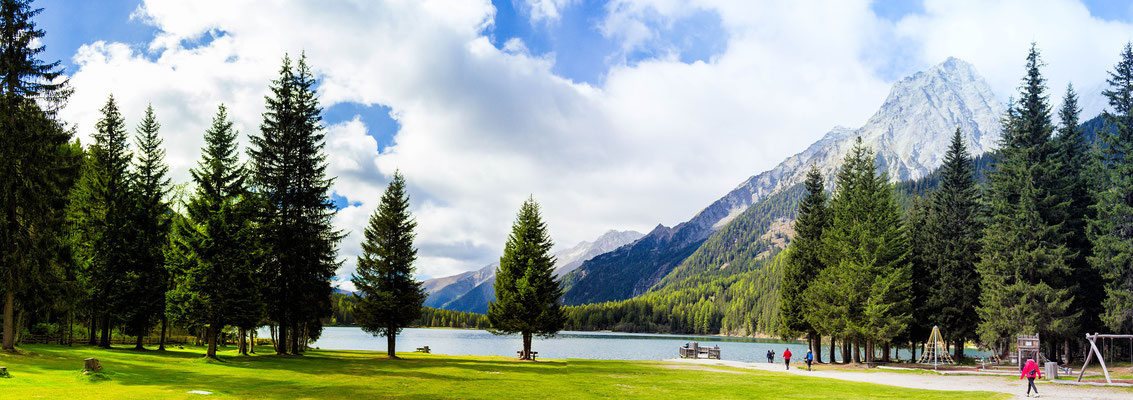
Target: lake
column 567, row 344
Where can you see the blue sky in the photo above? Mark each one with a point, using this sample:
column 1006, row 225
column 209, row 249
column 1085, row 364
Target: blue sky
column 582, row 52
column 638, row 112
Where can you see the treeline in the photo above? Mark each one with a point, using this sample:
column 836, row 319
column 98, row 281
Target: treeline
column 343, row 315
column 741, row 304
column 1041, row 248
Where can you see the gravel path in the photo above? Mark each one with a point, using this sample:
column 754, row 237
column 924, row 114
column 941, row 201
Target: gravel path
column 1010, row 386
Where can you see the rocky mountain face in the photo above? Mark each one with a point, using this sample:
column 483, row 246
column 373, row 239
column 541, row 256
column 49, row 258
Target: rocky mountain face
column 910, row 133
column 471, row 291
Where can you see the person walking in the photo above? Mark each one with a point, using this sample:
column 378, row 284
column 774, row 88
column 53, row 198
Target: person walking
column 770, row 356
column 787, row 357
column 809, row 359
column 1031, row 371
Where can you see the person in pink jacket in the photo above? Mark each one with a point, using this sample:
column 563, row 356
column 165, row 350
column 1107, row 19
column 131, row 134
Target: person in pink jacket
column 1031, row 371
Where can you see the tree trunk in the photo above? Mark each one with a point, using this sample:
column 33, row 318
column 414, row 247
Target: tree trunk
column 295, row 339
column 105, row 341
column 391, row 345
column 885, row 348
column 281, row 344
column 526, row 355
column 139, row 345
column 211, row 334
column 832, row 350
column 10, row 316
column 252, row 341
column 857, row 351
column 93, row 329
column 958, row 352
column 164, row 327
column 242, row 343
column 846, row 350
column 816, row 346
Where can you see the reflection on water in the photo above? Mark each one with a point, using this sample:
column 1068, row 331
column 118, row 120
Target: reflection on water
column 591, row 345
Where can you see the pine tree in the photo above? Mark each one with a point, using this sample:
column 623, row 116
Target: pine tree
column 144, row 282
column 1023, row 267
column 921, row 269
column 1111, row 231
column 863, row 293
column 289, row 174
column 102, row 209
column 804, row 262
column 33, row 164
column 390, row 297
column 216, row 247
column 527, row 293
column 955, row 226
column 1075, row 155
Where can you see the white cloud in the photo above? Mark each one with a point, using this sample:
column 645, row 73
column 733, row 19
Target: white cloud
column 483, row 128
column 549, row 11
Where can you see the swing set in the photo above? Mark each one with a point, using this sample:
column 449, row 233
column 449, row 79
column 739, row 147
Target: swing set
column 1094, row 350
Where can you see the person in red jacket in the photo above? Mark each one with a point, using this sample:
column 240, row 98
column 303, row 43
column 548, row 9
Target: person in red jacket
column 1031, row 371
column 787, row 357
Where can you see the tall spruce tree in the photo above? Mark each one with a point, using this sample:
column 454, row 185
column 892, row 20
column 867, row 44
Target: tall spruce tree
column 1075, row 156
column 921, row 269
column 216, row 245
column 1111, row 230
column 144, row 287
column 33, row 168
column 289, row 174
column 527, row 293
column 955, row 227
column 390, row 298
column 1023, row 267
column 864, row 293
column 102, row 209
column 804, row 263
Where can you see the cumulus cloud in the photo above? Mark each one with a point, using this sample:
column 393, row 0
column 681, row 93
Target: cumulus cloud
column 483, row 128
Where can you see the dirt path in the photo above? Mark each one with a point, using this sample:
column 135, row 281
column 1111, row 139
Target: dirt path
column 1010, row 386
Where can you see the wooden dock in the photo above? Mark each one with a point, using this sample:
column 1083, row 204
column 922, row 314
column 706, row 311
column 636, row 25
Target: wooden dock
column 693, row 350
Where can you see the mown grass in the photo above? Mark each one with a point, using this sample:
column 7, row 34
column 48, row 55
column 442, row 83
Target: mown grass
column 46, row 371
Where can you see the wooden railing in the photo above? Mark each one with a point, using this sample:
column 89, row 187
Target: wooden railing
column 693, row 350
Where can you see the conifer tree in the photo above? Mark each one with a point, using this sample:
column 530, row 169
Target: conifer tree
column 527, row 293
column 289, row 175
column 144, row 282
column 1023, row 267
column 216, row 248
column 863, row 293
column 1074, row 154
column 955, row 227
column 33, row 167
column 804, row 262
column 102, row 209
column 921, row 269
column 1111, row 231
column 390, row 297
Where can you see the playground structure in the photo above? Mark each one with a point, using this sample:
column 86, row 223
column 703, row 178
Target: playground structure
column 1094, row 350
column 935, row 350
column 1028, row 347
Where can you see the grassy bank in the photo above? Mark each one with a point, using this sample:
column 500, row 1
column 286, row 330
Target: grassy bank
column 48, row 371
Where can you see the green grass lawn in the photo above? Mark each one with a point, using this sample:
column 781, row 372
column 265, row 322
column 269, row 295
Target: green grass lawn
column 44, row 371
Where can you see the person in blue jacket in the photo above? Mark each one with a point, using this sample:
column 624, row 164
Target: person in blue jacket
column 809, row 359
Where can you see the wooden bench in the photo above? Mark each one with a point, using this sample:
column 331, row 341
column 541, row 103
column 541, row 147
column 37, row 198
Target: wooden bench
column 519, row 354
column 423, row 349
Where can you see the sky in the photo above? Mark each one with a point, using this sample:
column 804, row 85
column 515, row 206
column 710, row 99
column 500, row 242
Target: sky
column 617, row 114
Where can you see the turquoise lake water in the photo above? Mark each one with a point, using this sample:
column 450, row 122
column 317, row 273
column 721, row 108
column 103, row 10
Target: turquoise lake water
column 567, row 344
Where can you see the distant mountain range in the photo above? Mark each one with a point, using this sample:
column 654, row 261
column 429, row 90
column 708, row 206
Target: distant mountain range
column 471, row 291
column 910, row 133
